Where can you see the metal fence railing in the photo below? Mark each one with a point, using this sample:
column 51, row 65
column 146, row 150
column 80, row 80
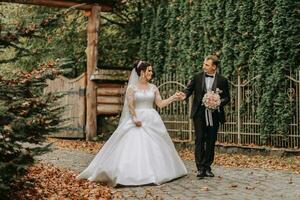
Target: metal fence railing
column 242, row 126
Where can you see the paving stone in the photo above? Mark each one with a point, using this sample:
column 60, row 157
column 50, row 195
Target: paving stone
column 229, row 183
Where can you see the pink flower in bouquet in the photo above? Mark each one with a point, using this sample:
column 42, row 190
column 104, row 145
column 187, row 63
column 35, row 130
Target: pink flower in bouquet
column 211, row 100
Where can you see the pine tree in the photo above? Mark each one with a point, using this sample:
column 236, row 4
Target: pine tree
column 26, row 116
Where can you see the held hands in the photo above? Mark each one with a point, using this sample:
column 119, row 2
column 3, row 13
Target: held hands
column 180, row 96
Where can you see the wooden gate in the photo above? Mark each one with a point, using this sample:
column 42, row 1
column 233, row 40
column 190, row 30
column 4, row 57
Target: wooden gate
column 73, row 102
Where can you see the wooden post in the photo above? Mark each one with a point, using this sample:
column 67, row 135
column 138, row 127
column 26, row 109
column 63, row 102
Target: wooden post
column 239, row 106
column 91, row 51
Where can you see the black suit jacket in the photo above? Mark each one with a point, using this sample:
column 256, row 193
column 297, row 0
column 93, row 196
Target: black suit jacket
column 198, row 87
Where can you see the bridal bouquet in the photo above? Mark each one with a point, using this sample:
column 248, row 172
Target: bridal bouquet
column 211, row 100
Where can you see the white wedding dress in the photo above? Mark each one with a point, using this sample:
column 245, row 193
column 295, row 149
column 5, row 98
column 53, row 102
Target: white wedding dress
column 137, row 155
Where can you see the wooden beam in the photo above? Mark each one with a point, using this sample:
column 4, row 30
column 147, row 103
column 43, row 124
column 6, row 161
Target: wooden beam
column 91, row 99
column 60, row 4
column 109, row 109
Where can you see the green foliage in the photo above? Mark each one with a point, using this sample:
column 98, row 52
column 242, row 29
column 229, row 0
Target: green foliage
column 173, row 28
column 283, row 43
column 145, row 32
column 40, row 34
column 211, row 19
column 160, row 35
column 218, row 26
column 26, row 116
column 151, row 56
column 60, row 35
column 183, row 63
column 229, row 67
column 246, row 41
column 265, row 58
column 257, row 38
column 196, row 51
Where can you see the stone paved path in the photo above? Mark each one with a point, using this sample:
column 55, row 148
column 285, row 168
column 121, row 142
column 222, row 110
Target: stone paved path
column 229, row 183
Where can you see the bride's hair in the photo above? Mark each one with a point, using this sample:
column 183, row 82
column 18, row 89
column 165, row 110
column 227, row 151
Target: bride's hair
column 140, row 65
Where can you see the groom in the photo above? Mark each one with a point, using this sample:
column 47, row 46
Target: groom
column 206, row 121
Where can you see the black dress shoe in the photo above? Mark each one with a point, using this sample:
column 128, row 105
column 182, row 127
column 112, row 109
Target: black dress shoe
column 201, row 174
column 208, row 173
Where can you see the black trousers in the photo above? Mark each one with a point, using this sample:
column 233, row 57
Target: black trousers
column 205, row 139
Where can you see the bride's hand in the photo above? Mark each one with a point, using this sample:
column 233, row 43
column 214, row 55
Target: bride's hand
column 138, row 123
column 180, row 96
column 176, row 96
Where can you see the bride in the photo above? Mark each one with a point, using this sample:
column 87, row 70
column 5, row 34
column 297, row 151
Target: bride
column 140, row 151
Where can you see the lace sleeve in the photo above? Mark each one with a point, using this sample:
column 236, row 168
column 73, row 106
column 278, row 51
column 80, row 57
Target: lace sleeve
column 159, row 101
column 131, row 102
column 157, row 94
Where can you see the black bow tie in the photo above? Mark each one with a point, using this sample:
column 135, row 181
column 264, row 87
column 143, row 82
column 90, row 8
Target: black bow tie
column 210, row 76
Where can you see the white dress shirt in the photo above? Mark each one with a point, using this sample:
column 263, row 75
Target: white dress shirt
column 208, row 113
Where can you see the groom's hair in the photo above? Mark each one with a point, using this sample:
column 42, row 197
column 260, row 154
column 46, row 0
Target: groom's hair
column 214, row 59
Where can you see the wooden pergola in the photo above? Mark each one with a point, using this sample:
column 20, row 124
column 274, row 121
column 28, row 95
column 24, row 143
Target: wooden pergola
column 94, row 7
